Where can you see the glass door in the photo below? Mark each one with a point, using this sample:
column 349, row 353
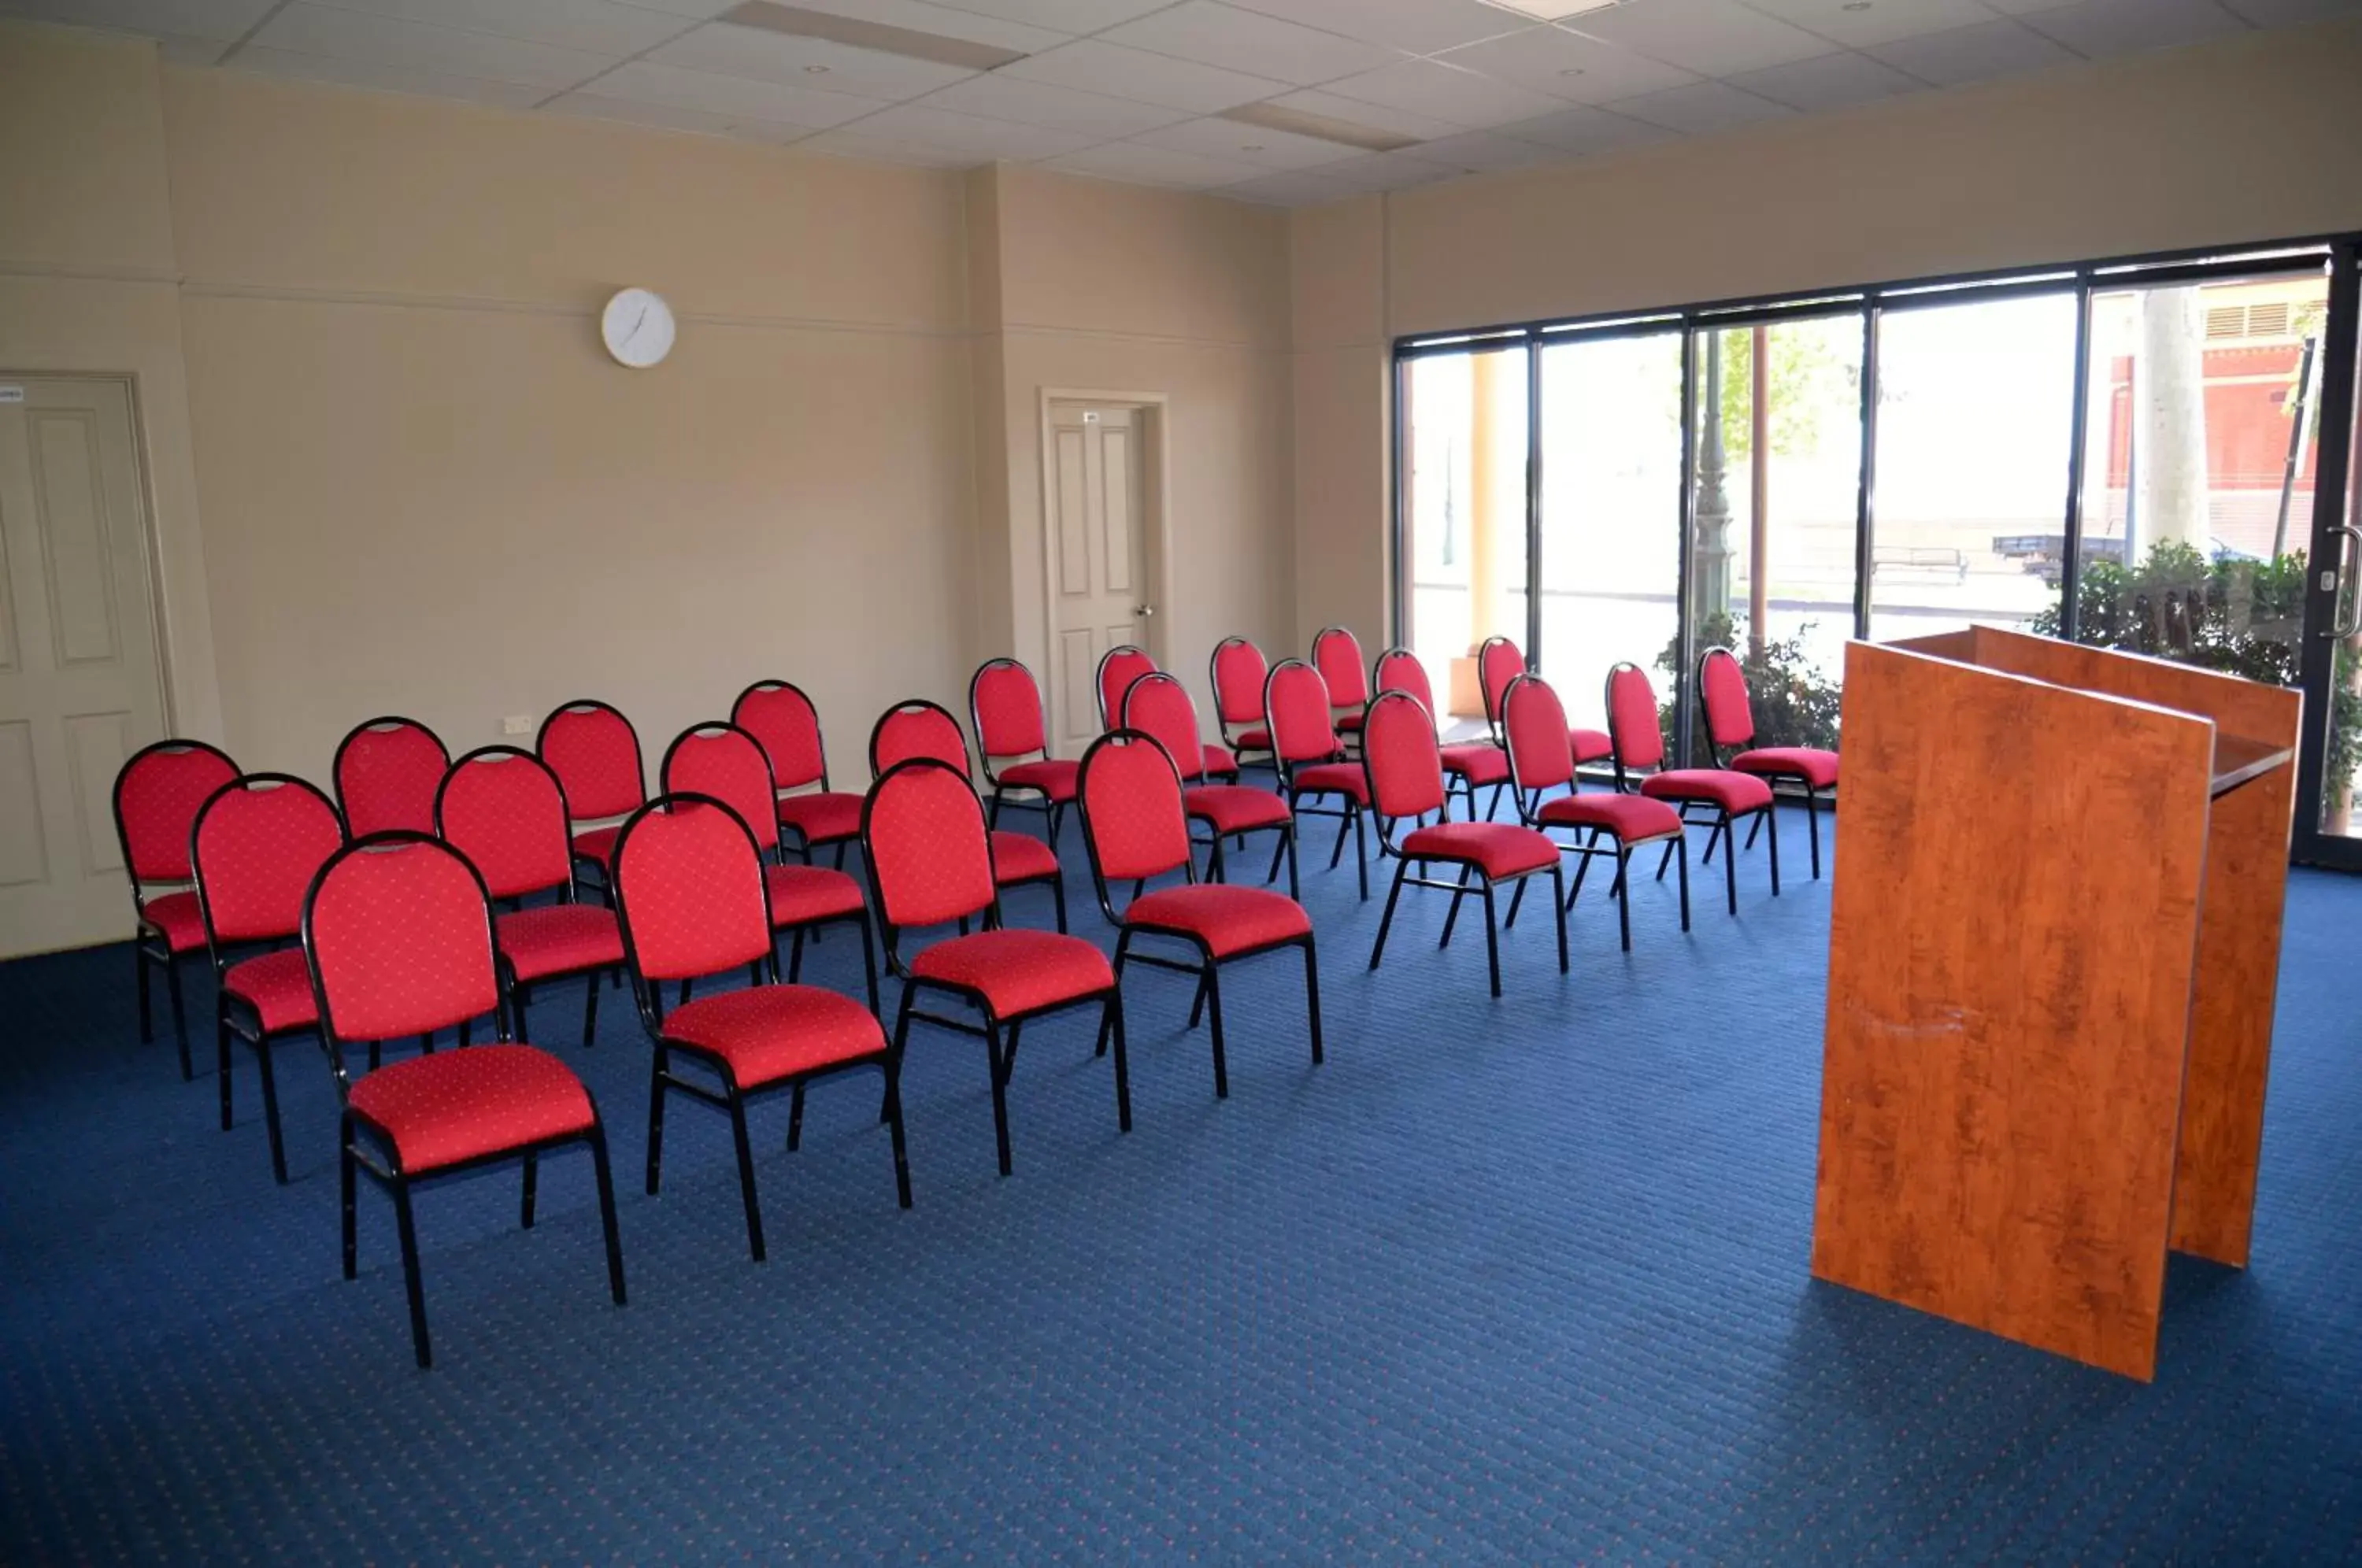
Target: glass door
column 2326, row 444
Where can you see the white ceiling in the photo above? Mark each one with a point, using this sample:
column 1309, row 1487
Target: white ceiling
column 1131, row 89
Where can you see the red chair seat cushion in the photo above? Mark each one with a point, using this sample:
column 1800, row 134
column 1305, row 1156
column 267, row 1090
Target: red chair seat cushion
column 1053, row 775
column 1631, row 818
column 278, row 986
column 460, row 1104
column 821, row 818
column 1017, row 971
column 1813, row 766
column 1497, row 849
column 1020, row 857
column 1479, row 762
column 558, row 939
column 1734, row 792
column 1349, row 722
column 1333, row 779
column 1234, row 808
column 597, row 845
column 769, row 1033
column 177, row 916
column 1220, row 761
column 1254, row 740
column 801, row 894
column 1226, row 920
column 1590, row 745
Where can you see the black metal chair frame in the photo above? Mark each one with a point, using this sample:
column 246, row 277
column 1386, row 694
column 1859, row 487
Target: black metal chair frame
column 1812, row 793
column 1098, row 682
column 1001, row 1058
column 599, row 882
column 1348, row 734
column 1724, row 822
column 1052, row 812
column 1239, row 755
column 149, row 945
column 805, row 843
column 1349, row 819
column 1208, row 999
column 384, row 1161
column 1217, row 869
column 1056, row 882
column 336, row 763
column 727, row 1094
column 1459, row 890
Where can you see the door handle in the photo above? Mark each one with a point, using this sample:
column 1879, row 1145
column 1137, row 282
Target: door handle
column 1145, row 610
column 2347, row 623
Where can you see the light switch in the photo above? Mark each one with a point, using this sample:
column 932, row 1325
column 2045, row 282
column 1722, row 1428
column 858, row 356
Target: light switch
column 517, row 724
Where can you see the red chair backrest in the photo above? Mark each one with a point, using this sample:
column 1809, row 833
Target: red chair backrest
column 726, row 763
column 1133, row 818
column 1296, row 701
column 1400, row 754
column 1006, row 707
column 1632, row 718
column 158, row 794
column 690, row 889
column 1119, row 667
column 1498, row 662
column 785, row 724
column 255, row 849
column 399, row 932
column 917, row 728
column 1399, row 670
column 1238, row 673
column 923, row 841
column 1337, row 655
column 1722, row 687
column 1533, row 722
column 503, row 810
column 386, row 773
column 1157, row 704
column 595, row 753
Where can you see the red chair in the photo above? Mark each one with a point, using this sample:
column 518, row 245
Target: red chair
column 1005, row 706
column 1725, row 795
column 784, row 721
column 930, row 863
column 256, row 846
column 689, row 880
column 595, row 753
column 1730, row 727
column 1337, row 655
column 1118, row 668
column 1405, row 769
column 1472, row 765
column 1498, row 662
column 1309, row 755
column 158, row 794
column 386, row 772
column 1159, row 705
column 1540, row 760
column 726, row 764
column 398, row 932
column 503, row 810
column 1238, row 673
column 1136, row 831
column 919, row 728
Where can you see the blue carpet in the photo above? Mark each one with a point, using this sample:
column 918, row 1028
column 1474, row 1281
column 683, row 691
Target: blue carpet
column 1517, row 1281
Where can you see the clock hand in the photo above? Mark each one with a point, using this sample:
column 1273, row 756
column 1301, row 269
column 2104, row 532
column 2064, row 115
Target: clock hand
column 637, row 321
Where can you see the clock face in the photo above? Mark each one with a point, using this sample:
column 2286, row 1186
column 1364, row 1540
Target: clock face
column 638, row 328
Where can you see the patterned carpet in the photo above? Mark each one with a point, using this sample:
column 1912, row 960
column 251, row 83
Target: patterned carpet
column 1515, row 1281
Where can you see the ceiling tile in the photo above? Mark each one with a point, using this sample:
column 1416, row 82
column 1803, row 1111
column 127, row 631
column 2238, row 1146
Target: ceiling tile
column 1713, row 38
column 847, row 142
column 1064, row 15
column 943, row 21
column 2096, row 28
column 599, row 25
column 1484, row 152
column 645, row 81
column 1291, row 190
column 1974, row 54
column 591, row 106
column 385, row 78
column 1090, row 66
column 1857, row 25
column 1387, row 172
column 387, row 42
column 1421, row 26
column 1376, row 117
column 2290, row 13
column 1154, row 165
column 1587, row 131
column 1239, row 143
column 1702, row 109
column 999, row 96
column 916, row 125
column 1568, row 65
column 1222, row 35
column 1828, row 82
column 695, row 10
column 726, row 50
column 226, row 20
column 1460, row 98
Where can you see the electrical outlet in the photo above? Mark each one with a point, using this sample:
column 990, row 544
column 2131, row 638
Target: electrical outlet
column 517, row 724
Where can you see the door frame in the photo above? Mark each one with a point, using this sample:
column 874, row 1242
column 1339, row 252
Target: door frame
column 1154, row 409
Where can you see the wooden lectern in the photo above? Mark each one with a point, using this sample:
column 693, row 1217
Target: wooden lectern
column 2055, row 936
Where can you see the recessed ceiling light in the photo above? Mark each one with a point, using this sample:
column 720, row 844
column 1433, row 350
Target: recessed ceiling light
column 1572, row 70
column 1855, row 5
column 1553, row 10
column 815, row 70
column 1251, row 147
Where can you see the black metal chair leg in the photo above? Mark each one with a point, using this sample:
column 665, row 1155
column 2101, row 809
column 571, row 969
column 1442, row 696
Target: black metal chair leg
column 894, row 1126
column 1623, row 904
column 1312, row 997
column 1582, row 869
column 1009, row 1052
column 345, row 1195
column 1754, row 831
column 1729, row 871
column 869, row 964
column 1812, row 826
column 901, row 1037
column 1123, row 1071
column 1711, row 838
column 1198, row 1002
column 1000, row 1093
column 1288, row 844
column 1667, row 859
column 1772, row 818
column 532, row 1186
column 1492, row 938
column 1516, row 900
column 745, row 1172
column 655, row 1117
column 1492, row 807
column 139, row 963
column 1058, row 897
column 179, row 1016
column 1361, row 854
column 1337, row 850
column 1558, row 880
column 271, row 1111
column 796, row 956
column 1684, row 847
column 1386, row 920
column 607, row 1207
column 590, row 1010
column 410, row 1279
column 796, row 1118
column 1451, row 915
column 1214, row 1014
column 1214, row 872
column 221, row 1056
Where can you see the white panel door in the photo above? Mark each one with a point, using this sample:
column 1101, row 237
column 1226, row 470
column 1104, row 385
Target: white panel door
column 1099, row 594
column 80, row 689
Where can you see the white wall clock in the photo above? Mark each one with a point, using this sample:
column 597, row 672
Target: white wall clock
column 638, row 326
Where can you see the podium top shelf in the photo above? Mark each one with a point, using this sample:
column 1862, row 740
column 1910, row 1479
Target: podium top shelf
column 2240, row 759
